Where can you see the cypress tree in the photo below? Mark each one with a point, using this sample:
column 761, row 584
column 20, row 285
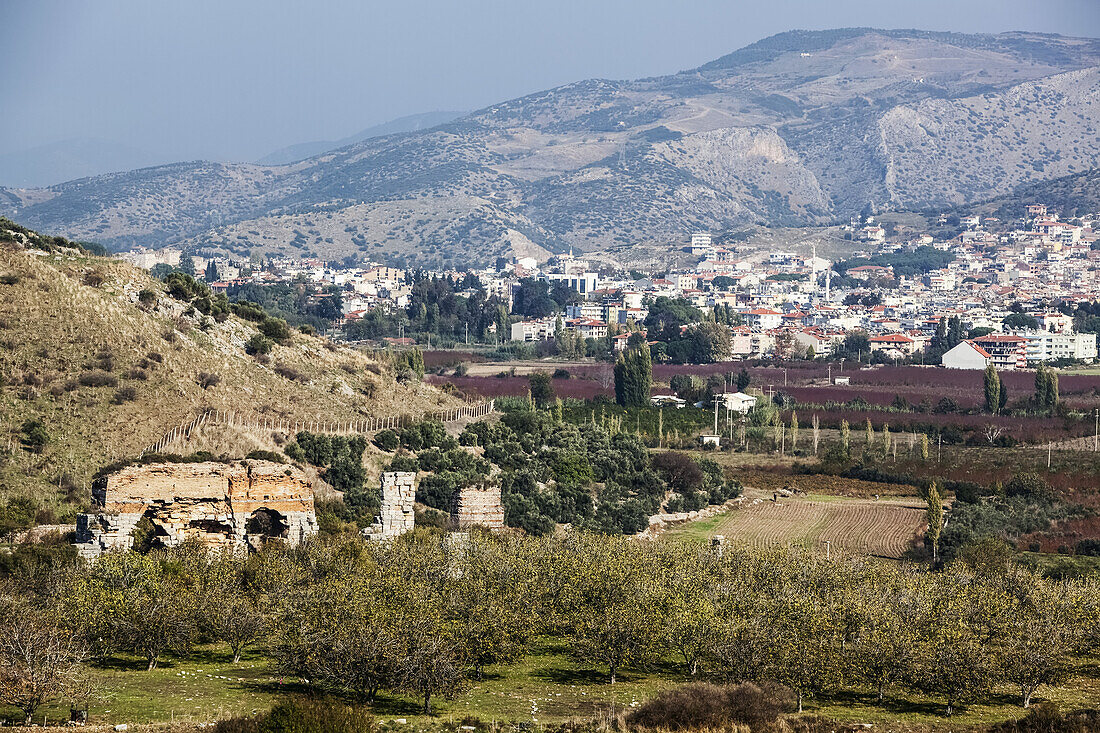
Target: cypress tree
column 992, row 384
column 934, row 514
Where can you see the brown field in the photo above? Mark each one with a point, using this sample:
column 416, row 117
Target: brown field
column 883, row 527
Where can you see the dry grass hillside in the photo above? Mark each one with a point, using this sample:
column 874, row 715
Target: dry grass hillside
column 107, row 375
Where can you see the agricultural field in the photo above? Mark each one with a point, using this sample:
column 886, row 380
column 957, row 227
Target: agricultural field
column 882, row 527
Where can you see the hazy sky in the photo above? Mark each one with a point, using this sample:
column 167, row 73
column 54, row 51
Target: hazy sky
column 233, row 80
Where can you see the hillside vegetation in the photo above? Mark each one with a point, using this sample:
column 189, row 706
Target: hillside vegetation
column 803, row 128
column 99, row 361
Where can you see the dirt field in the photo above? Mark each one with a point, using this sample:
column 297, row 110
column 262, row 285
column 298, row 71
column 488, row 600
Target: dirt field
column 882, row 527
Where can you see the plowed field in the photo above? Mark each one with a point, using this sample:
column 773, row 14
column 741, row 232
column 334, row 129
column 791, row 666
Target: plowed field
column 875, row 527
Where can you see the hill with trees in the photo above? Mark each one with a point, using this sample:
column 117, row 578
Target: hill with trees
column 99, row 360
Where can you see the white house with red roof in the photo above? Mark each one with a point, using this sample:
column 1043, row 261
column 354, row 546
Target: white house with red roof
column 763, row 318
column 966, row 355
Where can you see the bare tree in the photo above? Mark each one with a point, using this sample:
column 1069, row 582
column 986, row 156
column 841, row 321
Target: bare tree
column 992, row 432
column 39, row 661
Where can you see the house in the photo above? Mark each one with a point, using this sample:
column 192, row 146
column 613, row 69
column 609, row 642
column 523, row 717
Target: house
column 736, row 402
column 818, row 340
column 763, row 318
column 895, row 342
column 966, row 355
column 538, row 330
column 872, row 234
column 659, row 400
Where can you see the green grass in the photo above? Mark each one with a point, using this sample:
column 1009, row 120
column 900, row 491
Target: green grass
column 1061, row 565
column 208, row 686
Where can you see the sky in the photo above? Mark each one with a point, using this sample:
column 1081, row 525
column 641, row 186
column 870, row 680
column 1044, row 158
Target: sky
column 233, row 80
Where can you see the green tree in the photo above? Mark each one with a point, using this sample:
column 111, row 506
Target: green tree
column 542, row 389
column 634, row 377
column 1046, row 388
column 992, row 385
column 743, row 379
column 934, row 515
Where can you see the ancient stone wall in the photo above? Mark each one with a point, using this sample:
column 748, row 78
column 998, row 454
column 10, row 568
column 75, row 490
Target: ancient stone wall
column 396, row 517
column 479, row 506
column 239, row 504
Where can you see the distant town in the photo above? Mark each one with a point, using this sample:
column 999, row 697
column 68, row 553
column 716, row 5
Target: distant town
column 1010, row 294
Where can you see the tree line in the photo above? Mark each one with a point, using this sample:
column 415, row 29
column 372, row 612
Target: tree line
column 423, row 615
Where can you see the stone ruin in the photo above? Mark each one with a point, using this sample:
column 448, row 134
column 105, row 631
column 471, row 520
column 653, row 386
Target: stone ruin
column 473, row 506
column 228, row 505
column 479, row 506
column 396, row 517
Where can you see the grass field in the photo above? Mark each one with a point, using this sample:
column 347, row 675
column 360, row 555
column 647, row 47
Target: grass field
column 884, row 527
column 546, row 688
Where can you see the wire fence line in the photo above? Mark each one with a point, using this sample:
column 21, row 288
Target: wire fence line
column 232, row 418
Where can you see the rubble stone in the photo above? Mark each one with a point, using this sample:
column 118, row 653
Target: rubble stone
column 396, row 517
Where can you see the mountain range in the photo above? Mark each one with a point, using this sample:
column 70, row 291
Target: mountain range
column 802, row 128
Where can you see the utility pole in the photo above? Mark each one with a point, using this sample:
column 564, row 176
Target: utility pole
column 467, row 325
column 784, row 376
column 1096, row 432
column 828, row 549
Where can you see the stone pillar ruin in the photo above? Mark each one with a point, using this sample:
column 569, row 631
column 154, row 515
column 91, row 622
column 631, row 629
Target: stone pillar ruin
column 396, row 517
column 718, row 544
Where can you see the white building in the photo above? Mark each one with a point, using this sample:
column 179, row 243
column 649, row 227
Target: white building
column 1046, row 346
column 967, row 355
column 540, row 330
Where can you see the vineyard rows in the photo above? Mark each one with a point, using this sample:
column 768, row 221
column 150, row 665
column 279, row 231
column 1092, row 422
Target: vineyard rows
column 859, row 526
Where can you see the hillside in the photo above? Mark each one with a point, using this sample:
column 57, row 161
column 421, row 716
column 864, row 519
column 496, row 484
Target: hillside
column 1068, row 196
column 802, row 128
column 107, row 375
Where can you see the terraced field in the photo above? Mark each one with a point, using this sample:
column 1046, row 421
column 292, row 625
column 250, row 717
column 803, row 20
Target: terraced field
column 884, row 527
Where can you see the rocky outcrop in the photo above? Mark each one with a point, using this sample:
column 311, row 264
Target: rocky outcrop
column 396, row 517
column 231, row 505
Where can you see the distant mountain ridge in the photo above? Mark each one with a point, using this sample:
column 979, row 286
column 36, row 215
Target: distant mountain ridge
column 409, row 123
column 801, row 128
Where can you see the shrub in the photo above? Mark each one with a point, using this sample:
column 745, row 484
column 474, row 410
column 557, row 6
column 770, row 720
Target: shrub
column 288, row 372
column 155, row 356
column 125, row 394
column 249, row 311
column 1030, row 486
column 306, row 330
column 266, row 455
column 387, row 440
column 258, row 345
column 303, row 716
column 147, row 297
column 207, row 380
column 275, row 329
column 1088, row 547
column 98, row 378
column 35, row 436
column 404, row 463
column 94, row 278
column 561, row 373
column 701, row 705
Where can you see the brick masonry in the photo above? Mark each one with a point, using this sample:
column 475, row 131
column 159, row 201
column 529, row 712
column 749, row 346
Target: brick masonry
column 213, row 502
column 479, row 506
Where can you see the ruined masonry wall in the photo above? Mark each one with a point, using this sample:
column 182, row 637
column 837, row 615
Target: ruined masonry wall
column 396, row 517
column 212, row 501
column 479, row 506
